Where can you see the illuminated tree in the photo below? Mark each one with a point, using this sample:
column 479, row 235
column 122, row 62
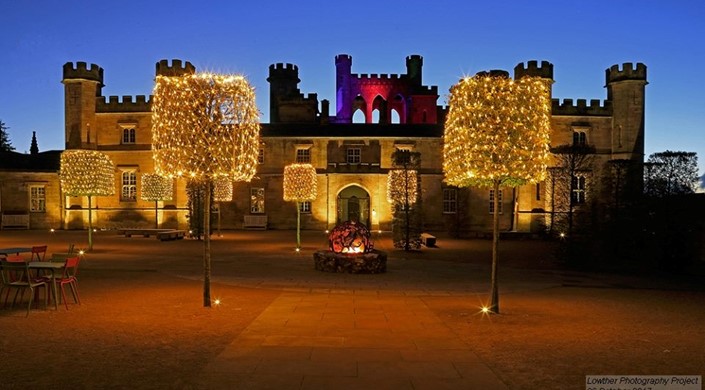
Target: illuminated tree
column 157, row 188
column 497, row 134
column 205, row 126
column 222, row 192
column 87, row 173
column 300, row 185
column 402, row 193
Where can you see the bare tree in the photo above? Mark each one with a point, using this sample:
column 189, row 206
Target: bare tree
column 671, row 173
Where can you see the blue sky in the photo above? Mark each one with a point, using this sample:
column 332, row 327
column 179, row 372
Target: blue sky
column 456, row 38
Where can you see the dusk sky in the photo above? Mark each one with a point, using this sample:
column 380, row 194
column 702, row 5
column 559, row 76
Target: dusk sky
column 456, row 38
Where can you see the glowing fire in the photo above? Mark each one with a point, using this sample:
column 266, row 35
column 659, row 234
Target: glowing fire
column 350, row 237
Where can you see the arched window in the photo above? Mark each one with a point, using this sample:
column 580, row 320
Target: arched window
column 375, row 116
column 395, row 117
column 358, row 116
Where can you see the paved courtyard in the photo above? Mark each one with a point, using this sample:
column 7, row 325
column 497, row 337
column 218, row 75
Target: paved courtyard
column 283, row 325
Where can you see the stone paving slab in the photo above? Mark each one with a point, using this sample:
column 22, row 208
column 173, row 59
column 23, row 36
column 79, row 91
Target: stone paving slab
column 331, row 341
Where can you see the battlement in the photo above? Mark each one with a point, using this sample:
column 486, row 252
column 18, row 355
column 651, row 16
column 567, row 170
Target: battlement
column 280, row 67
column 177, row 68
column 378, row 77
column 343, row 58
column 532, row 68
column 493, row 73
column 628, row 72
column 596, row 108
column 414, row 57
column 113, row 104
column 82, row 71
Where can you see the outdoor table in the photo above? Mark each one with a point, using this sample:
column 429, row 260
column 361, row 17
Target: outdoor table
column 17, row 251
column 52, row 266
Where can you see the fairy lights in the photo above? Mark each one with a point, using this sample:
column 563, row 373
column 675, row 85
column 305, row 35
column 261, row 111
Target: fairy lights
column 156, row 187
column 299, row 183
column 400, row 185
column 86, row 173
column 204, row 126
column 222, row 189
column 497, row 129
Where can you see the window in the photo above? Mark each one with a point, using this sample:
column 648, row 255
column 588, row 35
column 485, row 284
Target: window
column 260, row 156
column 303, row 156
column 579, row 138
column 450, row 203
column 353, row 156
column 578, row 189
column 128, row 135
column 580, row 134
column 305, row 207
column 257, row 200
column 37, row 199
column 128, row 186
column 499, row 198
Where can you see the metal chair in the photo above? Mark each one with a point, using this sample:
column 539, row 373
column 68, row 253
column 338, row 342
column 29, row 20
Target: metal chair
column 39, row 252
column 16, row 275
column 69, row 276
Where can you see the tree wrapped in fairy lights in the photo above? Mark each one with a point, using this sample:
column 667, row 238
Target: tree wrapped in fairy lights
column 87, row 173
column 222, row 192
column 205, row 126
column 402, row 193
column 156, row 188
column 496, row 135
column 300, row 185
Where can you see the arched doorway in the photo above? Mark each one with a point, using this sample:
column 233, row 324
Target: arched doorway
column 353, row 205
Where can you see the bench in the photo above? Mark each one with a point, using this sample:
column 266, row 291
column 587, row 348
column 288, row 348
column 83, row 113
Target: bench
column 15, row 221
column 171, row 235
column 160, row 234
column 255, row 222
column 428, row 240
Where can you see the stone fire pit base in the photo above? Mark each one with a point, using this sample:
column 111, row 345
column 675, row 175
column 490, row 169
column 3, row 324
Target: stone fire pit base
column 374, row 262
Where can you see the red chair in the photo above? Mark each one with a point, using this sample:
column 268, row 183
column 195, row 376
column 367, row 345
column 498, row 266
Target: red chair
column 39, row 252
column 69, row 277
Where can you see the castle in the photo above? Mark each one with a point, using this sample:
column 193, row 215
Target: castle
column 375, row 114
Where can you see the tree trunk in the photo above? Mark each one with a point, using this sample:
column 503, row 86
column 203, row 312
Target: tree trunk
column 207, row 247
column 90, row 225
column 494, row 297
column 298, row 225
column 156, row 214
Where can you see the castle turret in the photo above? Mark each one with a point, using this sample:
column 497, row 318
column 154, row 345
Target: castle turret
column 177, row 68
column 283, row 82
column 343, row 88
column 626, row 90
column 82, row 85
column 533, row 69
column 414, row 65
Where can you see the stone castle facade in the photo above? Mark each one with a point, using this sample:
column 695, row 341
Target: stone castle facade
column 375, row 114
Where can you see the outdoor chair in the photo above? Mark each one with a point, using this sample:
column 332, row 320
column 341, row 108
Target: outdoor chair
column 39, row 252
column 63, row 256
column 69, row 276
column 16, row 275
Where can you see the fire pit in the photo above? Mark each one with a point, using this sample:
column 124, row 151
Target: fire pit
column 350, row 251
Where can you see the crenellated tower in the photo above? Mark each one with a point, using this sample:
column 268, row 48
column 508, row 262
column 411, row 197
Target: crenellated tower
column 82, row 84
column 343, row 87
column 533, row 69
column 626, row 89
column 283, row 81
column 414, row 69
